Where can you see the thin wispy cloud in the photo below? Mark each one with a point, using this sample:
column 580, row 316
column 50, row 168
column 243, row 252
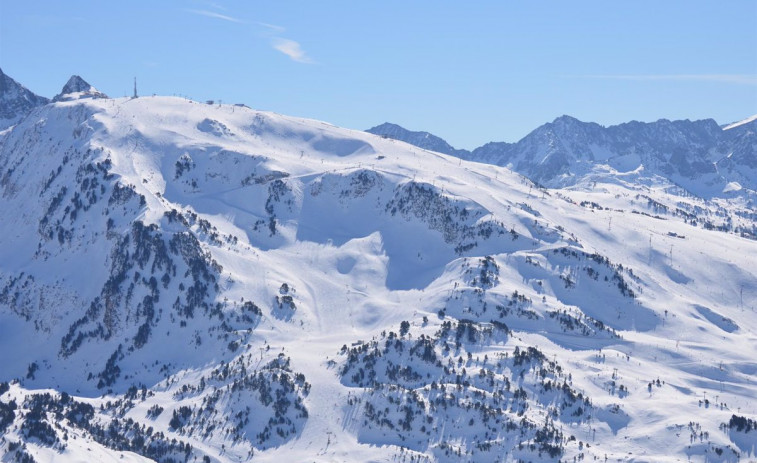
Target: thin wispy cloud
column 271, row 27
column 217, row 6
column 213, row 14
column 292, row 49
column 745, row 79
column 272, row 32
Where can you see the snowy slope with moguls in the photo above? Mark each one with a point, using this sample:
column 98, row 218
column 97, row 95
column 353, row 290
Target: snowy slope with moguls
column 191, row 282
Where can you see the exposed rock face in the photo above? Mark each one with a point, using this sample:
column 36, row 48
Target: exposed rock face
column 16, row 101
column 77, row 88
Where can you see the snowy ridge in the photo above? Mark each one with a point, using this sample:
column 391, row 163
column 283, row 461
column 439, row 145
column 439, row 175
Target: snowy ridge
column 266, row 288
column 423, row 140
column 740, row 123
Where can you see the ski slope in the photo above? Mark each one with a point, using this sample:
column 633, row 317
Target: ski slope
column 236, row 268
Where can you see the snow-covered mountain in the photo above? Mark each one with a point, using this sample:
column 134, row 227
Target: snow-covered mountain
column 689, row 153
column 423, row 140
column 192, row 282
column 15, row 101
column 699, row 156
column 77, row 88
column 739, row 165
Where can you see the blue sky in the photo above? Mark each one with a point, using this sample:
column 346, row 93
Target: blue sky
column 470, row 72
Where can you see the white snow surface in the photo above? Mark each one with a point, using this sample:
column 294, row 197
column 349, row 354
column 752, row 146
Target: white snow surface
column 742, row 122
column 338, row 236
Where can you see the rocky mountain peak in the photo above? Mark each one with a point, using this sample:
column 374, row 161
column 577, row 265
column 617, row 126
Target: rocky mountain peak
column 78, row 88
column 566, row 120
column 15, row 100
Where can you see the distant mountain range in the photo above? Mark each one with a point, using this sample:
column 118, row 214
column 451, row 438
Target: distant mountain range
column 701, row 156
